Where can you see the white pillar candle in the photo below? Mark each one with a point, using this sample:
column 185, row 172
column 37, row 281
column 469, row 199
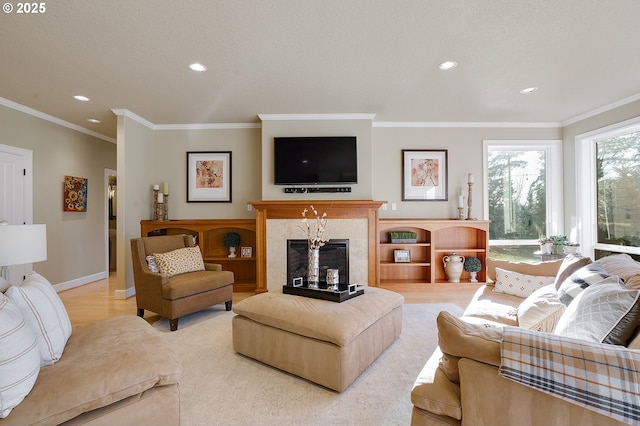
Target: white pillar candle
column 460, row 201
column 165, row 188
column 156, row 187
column 470, row 178
column 160, row 197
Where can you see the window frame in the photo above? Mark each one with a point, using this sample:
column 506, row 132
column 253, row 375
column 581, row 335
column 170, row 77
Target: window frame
column 586, row 186
column 554, row 193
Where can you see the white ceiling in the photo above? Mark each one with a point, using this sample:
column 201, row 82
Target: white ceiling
column 321, row 57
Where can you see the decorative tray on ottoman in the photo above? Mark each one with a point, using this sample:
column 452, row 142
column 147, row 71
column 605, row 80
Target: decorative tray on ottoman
column 345, row 292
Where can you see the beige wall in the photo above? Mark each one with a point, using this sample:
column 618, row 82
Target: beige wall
column 76, row 241
column 464, row 152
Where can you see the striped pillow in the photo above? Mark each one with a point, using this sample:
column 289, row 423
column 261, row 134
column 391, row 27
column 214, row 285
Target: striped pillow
column 19, row 357
column 45, row 314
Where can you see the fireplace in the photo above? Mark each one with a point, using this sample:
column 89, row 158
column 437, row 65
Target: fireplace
column 333, row 255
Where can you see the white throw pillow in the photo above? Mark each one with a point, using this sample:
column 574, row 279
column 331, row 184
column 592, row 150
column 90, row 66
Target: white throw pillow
column 541, row 310
column 604, row 313
column 45, row 313
column 19, row 357
column 517, row 284
column 180, row 261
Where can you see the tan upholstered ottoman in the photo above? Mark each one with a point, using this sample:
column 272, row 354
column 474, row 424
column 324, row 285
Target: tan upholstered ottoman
column 326, row 342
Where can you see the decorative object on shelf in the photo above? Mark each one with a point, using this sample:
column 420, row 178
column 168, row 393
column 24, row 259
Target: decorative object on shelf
column 569, row 248
column 546, row 245
column 558, row 243
column 231, row 241
column 209, row 177
column 402, row 256
column 403, row 237
column 315, row 236
column 75, row 194
column 424, row 175
column 246, row 251
column 470, row 180
column 453, row 265
column 333, row 279
column 460, row 205
column 160, row 209
column 472, row 265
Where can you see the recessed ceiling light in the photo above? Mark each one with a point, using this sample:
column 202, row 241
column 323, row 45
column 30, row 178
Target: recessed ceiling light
column 81, row 98
column 528, row 90
column 196, row 66
column 448, row 65
column 93, row 120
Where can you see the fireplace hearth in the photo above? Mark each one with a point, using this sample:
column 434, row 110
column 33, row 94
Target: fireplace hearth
column 333, row 255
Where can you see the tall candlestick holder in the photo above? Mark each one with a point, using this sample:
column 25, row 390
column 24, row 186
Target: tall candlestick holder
column 159, row 210
column 469, row 203
column 165, row 207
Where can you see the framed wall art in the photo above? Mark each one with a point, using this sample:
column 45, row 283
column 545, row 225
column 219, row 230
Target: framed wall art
column 209, row 177
column 75, row 194
column 424, row 175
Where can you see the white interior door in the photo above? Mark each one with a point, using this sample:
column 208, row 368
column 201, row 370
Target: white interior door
column 16, row 199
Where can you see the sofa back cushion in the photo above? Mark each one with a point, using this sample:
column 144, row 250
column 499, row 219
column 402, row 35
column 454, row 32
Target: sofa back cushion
column 623, row 266
column 549, row 268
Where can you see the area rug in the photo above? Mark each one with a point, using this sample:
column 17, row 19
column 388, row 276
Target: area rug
column 221, row 387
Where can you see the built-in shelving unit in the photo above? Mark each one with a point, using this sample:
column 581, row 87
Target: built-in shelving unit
column 209, row 234
column 436, row 238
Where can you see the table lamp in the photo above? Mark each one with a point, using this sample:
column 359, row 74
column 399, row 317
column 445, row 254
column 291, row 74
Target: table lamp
column 20, row 244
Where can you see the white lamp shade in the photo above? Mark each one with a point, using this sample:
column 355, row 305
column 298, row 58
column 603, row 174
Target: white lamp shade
column 20, row 244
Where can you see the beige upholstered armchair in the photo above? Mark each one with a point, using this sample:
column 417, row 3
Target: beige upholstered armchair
column 173, row 296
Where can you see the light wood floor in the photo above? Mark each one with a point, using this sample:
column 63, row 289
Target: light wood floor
column 93, row 302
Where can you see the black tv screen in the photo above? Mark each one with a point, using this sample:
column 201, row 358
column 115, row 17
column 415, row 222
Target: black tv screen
column 312, row 160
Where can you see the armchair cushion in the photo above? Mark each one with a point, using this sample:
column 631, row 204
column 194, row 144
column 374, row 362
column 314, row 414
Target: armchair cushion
column 185, row 285
column 180, row 261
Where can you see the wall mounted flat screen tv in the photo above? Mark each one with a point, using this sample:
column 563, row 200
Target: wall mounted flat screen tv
column 312, row 160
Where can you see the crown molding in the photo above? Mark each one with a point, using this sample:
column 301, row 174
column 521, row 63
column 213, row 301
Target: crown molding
column 208, row 126
column 294, row 117
column 601, row 110
column 454, row 124
column 135, row 117
column 52, row 119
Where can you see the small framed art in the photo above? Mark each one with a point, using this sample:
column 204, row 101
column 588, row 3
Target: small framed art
column 424, row 175
column 401, row 256
column 209, row 177
column 246, row 251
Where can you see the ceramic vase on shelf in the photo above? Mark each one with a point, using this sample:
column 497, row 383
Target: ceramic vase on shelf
column 313, row 272
column 232, row 252
column 453, row 265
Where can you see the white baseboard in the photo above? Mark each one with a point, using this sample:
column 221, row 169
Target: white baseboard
column 80, row 281
column 124, row 294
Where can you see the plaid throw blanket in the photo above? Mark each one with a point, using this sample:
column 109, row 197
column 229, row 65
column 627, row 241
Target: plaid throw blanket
column 603, row 378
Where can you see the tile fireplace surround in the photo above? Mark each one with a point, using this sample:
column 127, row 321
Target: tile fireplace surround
column 276, row 221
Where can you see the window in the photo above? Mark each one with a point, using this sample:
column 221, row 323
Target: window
column 608, row 208
column 523, row 198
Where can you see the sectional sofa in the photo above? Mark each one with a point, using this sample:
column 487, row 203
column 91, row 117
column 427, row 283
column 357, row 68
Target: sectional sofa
column 476, row 377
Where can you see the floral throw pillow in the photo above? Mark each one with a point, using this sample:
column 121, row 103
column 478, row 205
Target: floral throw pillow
column 517, row 284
